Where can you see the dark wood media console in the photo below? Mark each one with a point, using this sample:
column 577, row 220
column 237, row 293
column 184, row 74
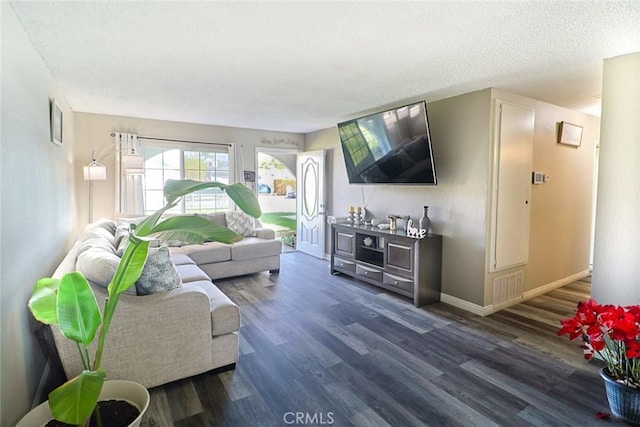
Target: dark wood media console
column 389, row 259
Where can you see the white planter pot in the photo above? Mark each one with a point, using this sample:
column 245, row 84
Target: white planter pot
column 130, row 391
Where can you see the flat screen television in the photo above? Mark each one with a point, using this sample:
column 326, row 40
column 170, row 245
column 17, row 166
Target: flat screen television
column 390, row 147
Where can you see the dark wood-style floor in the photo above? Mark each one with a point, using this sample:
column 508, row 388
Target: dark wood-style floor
column 318, row 349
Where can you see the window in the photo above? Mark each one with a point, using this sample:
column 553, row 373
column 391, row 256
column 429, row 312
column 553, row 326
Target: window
column 200, row 162
column 354, row 142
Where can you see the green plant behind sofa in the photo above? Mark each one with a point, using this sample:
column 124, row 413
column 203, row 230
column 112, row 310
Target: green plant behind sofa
column 71, row 304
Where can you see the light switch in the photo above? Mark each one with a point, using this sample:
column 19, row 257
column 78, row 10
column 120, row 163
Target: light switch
column 537, row 177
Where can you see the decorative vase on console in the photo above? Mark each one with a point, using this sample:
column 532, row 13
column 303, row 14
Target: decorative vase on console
column 425, row 222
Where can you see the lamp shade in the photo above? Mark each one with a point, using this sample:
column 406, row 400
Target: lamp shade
column 94, row 171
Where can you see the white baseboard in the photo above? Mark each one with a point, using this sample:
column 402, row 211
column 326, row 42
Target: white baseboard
column 490, row 309
column 555, row 285
column 463, row 304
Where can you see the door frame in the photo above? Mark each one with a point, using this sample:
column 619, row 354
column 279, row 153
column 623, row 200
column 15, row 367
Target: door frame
column 274, row 150
column 268, row 150
column 321, row 199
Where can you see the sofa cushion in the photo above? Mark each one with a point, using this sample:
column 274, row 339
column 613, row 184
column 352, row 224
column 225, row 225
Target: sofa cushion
column 122, row 233
column 219, row 218
column 97, row 265
column 241, row 223
column 180, row 258
column 121, row 237
column 208, row 252
column 159, row 273
column 104, row 223
column 97, row 260
column 191, row 273
column 96, row 239
column 104, row 233
column 225, row 315
column 253, row 247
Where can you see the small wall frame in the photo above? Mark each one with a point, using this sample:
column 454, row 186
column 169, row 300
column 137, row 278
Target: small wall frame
column 569, row 134
column 55, row 122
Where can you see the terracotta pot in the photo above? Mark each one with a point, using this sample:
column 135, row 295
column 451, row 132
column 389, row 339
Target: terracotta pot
column 624, row 401
column 130, row 391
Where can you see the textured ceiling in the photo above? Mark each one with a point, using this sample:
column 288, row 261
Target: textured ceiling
column 303, row 66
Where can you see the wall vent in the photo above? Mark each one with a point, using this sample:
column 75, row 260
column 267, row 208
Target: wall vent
column 508, row 288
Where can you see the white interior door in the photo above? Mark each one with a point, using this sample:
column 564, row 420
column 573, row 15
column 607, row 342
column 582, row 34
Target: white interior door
column 310, row 203
column 510, row 243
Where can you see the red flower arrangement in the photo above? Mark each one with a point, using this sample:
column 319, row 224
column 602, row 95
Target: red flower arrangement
column 609, row 333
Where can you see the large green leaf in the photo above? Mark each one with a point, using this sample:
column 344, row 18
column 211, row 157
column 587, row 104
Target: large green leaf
column 193, row 229
column 43, row 301
column 245, row 199
column 74, row 401
column 78, row 312
column 239, row 193
column 174, row 189
column 130, row 267
column 145, row 227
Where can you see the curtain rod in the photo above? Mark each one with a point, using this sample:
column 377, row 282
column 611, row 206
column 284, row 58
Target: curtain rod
column 179, row 140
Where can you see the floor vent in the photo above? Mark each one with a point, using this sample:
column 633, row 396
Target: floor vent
column 508, row 287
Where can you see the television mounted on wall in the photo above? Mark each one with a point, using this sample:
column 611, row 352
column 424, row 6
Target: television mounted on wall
column 389, row 147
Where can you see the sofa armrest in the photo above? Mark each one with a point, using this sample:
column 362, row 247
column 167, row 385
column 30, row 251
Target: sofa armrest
column 265, row 233
column 153, row 339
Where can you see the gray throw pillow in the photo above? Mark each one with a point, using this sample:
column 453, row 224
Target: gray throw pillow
column 159, row 273
column 104, row 223
column 98, row 262
column 97, row 265
column 122, row 233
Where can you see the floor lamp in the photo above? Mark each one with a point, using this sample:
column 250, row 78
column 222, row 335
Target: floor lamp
column 96, row 171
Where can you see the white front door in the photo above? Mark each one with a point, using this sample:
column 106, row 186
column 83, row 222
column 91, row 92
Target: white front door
column 310, row 203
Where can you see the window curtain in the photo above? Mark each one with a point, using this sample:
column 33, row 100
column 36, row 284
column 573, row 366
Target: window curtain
column 130, row 175
column 238, row 166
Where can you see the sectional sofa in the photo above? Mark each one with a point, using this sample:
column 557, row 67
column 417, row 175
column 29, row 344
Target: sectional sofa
column 167, row 334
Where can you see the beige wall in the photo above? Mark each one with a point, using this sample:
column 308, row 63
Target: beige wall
column 37, row 212
column 459, row 204
column 93, row 133
column 459, row 130
column 561, row 209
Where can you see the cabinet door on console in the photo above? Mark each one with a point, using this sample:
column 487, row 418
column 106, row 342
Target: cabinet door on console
column 399, row 257
column 345, row 243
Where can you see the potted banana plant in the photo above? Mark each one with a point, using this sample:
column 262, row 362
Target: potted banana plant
column 70, row 303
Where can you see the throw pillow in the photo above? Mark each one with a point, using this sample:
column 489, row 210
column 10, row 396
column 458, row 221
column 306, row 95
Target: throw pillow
column 96, row 239
column 159, row 273
column 97, row 265
column 104, row 223
column 122, row 231
column 241, row 223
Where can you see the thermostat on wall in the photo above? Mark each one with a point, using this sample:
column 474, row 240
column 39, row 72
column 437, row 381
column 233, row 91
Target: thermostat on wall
column 537, row 177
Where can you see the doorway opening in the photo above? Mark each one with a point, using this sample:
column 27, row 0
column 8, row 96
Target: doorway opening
column 277, row 193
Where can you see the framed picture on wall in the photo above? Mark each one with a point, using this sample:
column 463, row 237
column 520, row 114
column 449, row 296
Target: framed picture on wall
column 249, row 176
column 569, row 134
column 56, row 123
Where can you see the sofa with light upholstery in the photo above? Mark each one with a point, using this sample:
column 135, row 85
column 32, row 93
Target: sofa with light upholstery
column 259, row 250
column 178, row 323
